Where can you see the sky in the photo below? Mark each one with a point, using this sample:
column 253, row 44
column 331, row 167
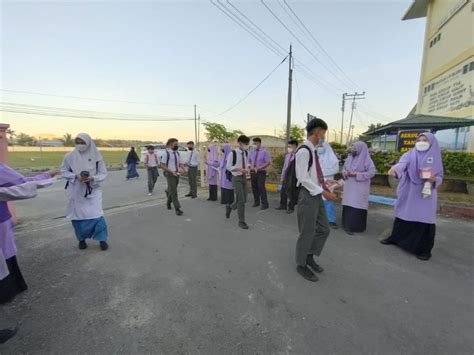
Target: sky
column 162, row 57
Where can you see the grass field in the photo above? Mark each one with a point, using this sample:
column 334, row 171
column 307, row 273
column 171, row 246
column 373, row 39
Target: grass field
column 48, row 160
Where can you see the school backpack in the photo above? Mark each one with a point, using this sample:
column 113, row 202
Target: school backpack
column 290, row 181
column 228, row 174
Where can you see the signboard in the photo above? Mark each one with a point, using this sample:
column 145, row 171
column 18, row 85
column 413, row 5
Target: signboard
column 451, row 91
column 406, row 139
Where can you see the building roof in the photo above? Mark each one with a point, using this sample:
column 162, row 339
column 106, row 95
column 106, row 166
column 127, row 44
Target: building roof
column 435, row 123
column 417, row 9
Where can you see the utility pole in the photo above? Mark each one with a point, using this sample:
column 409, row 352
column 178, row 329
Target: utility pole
column 342, row 109
column 355, row 96
column 290, row 82
column 199, row 129
column 195, row 125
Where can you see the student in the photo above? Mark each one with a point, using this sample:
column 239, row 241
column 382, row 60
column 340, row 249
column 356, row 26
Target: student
column 212, row 172
column 84, row 169
column 227, row 190
column 192, row 164
column 152, row 162
column 173, row 168
column 358, row 170
column 414, row 227
column 237, row 164
column 259, row 160
column 312, row 220
column 13, row 186
column 289, row 157
column 132, row 161
column 330, row 166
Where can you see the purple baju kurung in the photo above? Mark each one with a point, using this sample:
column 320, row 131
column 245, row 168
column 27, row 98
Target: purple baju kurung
column 355, row 201
column 227, row 190
column 212, row 172
column 415, row 214
column 14, row 283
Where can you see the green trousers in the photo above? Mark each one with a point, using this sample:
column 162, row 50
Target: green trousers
column 192, row 179
column 172, row 190
column 240, row 188
column 313, row 226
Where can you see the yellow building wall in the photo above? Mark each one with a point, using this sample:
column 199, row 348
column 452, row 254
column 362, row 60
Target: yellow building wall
column 457, row 36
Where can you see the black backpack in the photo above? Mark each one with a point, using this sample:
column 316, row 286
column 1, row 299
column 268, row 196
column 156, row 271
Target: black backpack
column 228, row 174
column 290, row 180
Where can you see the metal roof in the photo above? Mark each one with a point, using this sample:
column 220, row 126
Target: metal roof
column 418, row 9
column 435, row 123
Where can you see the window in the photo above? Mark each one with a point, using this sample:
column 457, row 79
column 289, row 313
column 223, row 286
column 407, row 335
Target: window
column 465, row 69
column 471, row 66
column 435, row 39
column 439, row 36
column 431, row 44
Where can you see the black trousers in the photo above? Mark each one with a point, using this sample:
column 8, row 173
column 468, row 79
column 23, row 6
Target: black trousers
column 284, row 203
column 258, row 187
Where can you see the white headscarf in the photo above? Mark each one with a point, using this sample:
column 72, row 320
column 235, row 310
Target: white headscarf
column 86, row 160
column 328, row 160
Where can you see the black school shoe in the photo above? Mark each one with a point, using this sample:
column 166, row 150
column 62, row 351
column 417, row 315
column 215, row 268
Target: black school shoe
column 333, row 225
column 423, row 257
column 256, row 204
column 168, row 206
column 104, row 246
column 313, row 265
column 179, row 212
column 290, row 211
column 82, row 245
column 386, row 241
column 6, row 334
column 228, row 210
column 264, row 208
column 243, row 225
column 189, row 195
column 306, row 273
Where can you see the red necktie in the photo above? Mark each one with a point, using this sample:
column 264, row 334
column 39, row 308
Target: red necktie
column 243, row 160
column 190, row 157
column 176, row 161
column 319, row 172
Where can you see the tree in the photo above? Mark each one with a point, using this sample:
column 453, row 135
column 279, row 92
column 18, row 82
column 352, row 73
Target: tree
column 366, row 139
column 10, row 136
column 216, row 132
column 296, row 132
column 68, row 140
column 24, row 139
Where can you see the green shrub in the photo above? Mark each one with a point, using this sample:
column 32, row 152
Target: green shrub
column 278, row 162
column 456, row 164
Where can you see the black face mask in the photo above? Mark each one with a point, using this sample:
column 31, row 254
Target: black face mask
column 190, row 148
column 209, row 150
column 175, row 148
column 222, row 150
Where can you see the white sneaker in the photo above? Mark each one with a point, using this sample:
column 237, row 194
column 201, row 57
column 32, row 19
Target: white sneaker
column 150, row 194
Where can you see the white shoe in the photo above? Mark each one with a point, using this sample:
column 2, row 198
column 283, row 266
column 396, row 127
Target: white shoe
column 150, row 194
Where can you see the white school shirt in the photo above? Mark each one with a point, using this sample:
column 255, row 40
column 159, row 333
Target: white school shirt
column 152, row 160
column 193, row 158
column 172, row 162
column 238, row 162
column 307, row 179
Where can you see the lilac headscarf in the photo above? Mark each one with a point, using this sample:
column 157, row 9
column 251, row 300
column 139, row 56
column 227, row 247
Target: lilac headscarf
column 212, row 160
column 429, row 159
column 225, row 183
column 362, row 161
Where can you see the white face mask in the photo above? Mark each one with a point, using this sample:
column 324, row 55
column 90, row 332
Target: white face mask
column 422, row 146
column 290, row 150
column 245, row 147
column 81, row 147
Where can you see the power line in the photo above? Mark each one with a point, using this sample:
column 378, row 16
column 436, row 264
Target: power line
column 61, row 112
column 77, row 111
column 91, row 98
column 255, row 88
column 299, row 41
column 319, row 44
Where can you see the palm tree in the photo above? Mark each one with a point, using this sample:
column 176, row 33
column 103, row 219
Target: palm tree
column 10, row 134
column 68, row 140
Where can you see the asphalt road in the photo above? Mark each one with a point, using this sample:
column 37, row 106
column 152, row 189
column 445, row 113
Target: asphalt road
column 199, row 284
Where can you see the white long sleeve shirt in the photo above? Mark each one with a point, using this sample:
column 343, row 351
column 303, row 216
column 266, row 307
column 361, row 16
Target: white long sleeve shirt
column 307, row 179
column 240, row 155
